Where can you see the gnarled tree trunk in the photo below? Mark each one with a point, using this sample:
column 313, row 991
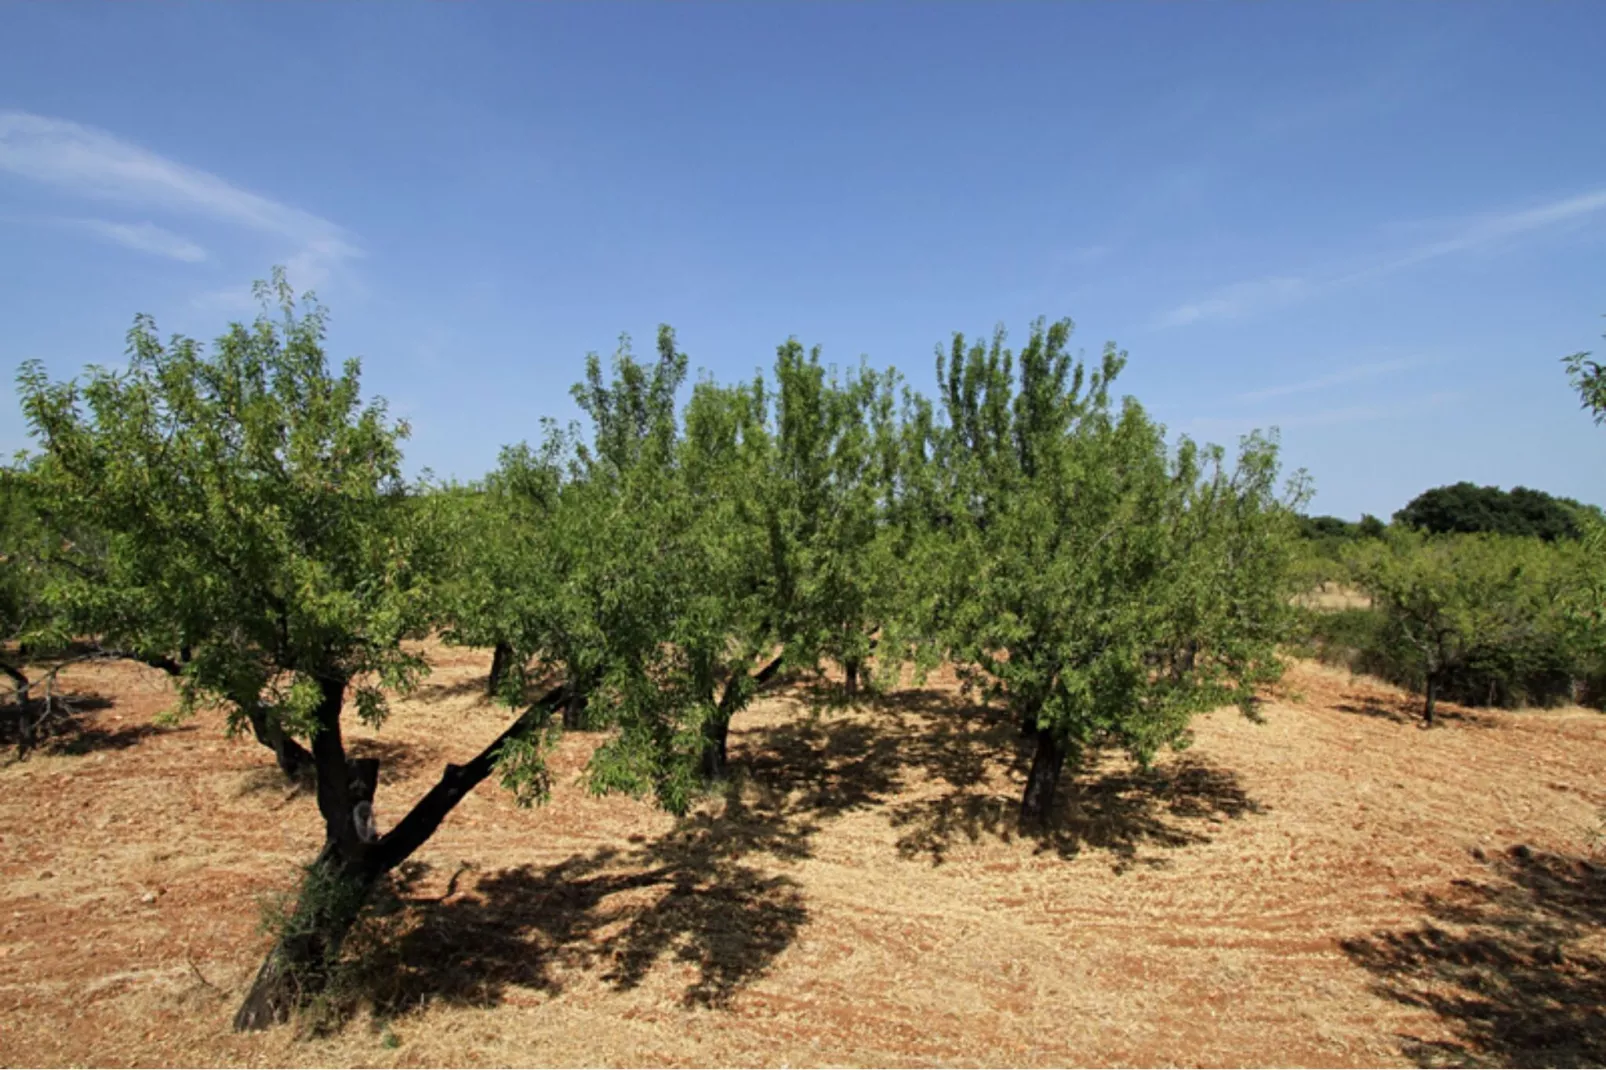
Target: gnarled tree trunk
column 354, row 857
column 716, row 751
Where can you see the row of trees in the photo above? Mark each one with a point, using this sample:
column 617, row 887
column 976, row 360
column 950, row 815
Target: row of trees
column 237, row 518
column 1479, row 619
column 1483, row 596
column 1461, row 508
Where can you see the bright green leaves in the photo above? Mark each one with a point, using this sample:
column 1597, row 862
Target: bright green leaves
column 1108, row 587
column 1454, row 602
column 522, row 766
column 250, row 508
column 1588, row 377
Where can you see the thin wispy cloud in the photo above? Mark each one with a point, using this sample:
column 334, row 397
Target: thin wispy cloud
column 1489, row 229
column 1239, row 299
column 145, row 238
column 84, row 161
column 1349, row 414
column 1246, row 298
column 1354, row 374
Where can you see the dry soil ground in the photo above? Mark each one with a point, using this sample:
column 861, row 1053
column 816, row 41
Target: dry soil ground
column 1332, row 887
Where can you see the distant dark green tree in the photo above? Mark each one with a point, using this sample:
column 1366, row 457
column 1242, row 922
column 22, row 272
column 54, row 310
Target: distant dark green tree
column 1466, row 508
column 1326, row 527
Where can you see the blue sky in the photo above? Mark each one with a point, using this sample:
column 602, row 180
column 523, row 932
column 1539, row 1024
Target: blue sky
column 1377, row 227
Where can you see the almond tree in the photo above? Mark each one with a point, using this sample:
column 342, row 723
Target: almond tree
column 829, row 499
column 1449, row 600
column 255, row 516
column 1107, row 587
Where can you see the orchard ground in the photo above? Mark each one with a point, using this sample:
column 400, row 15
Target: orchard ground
column 1335, row 886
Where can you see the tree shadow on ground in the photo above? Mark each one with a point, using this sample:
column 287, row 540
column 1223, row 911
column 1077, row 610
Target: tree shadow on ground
column 686, row 898
column 705, row 898
column 700, row 897
column 1121, row 812
column 1408, row 711
column 398, row 760
column 436, row 691
column 975, row 751
column 71, row 727
column 1511, row 962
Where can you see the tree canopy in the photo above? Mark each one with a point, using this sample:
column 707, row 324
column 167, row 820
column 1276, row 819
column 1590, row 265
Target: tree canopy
column 1107, row 587
column 1469, row 509
column 237, row 517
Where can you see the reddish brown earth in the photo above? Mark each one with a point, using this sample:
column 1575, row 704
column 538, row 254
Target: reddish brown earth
column 1332, row 887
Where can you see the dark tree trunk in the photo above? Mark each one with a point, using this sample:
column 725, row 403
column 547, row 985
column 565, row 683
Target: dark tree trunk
column 1028, row 724
column 716, row 740
column 716, row 730
column 1432, row 693
column 500, row 657
column 353, row 858
column 331, row 899
column 850, row 673
column 1047, row 762
column 25, row 723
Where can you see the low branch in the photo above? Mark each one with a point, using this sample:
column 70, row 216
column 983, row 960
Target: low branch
column 456, row 782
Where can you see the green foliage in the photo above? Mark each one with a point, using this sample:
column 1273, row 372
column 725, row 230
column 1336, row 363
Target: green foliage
column 1108, row 587
column 1471, row 617
column 827, row 498
column 1351, row 638
column 250, row 509
column 1588, row 377
column 1323, row 539
column 1468, row 509
column 25, row 546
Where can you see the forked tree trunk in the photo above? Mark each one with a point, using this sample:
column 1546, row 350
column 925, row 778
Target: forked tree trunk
column 716, row 730
column 1041, row 783
column 353, row 858
column 501, row 656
